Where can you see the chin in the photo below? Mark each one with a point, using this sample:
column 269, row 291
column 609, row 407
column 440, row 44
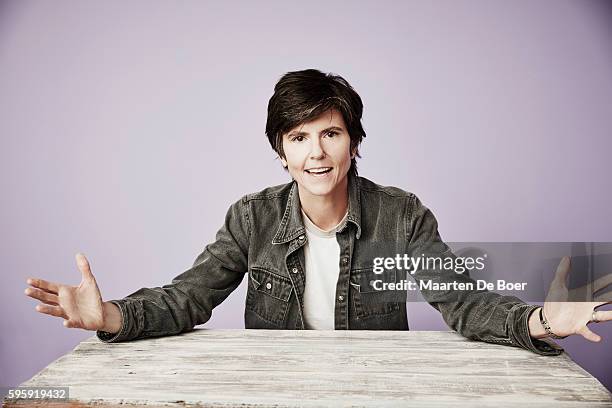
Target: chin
column 319, row 191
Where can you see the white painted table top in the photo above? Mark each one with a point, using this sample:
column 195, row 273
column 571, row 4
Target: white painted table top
column 319, row 368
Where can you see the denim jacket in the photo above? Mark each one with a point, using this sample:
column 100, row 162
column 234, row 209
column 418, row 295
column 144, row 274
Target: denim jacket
column 263, row 237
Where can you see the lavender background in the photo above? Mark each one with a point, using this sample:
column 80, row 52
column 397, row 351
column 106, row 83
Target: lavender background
column 127, row 129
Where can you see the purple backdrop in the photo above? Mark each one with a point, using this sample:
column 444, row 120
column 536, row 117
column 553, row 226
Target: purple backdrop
column 117, row 120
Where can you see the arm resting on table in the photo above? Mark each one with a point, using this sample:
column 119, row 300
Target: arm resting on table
column 189, row 300
column 475, row 314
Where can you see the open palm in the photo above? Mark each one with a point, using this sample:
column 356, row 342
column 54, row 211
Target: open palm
column 568, row 317
column 80, row 306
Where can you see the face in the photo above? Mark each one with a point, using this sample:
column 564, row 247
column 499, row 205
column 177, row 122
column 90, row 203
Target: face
column 317, row 154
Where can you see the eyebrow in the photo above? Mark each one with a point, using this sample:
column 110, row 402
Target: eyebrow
column 326, row 130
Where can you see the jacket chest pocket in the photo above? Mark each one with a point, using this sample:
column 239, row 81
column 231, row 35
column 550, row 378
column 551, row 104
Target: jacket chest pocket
column 268, row 295
column 368, row 297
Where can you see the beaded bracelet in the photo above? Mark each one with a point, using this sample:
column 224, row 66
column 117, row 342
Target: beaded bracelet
column 547, row 326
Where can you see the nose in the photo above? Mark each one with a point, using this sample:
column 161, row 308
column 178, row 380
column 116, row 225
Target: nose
column 316, row 149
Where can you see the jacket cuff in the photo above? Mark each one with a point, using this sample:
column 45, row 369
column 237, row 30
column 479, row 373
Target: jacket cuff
column 521, row 337
column 132, row 322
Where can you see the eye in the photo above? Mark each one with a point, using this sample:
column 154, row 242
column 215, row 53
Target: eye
column 331, row 134
column 297, row 139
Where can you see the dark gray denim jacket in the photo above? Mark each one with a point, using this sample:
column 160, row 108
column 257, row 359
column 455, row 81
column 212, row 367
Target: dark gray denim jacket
column 263, row 236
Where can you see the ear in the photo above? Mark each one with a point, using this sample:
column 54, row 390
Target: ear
column 353, row 153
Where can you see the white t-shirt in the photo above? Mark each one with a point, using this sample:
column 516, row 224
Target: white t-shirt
column 322, row 256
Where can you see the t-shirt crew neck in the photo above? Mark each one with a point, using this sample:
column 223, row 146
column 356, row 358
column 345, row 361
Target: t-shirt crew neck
column 312, row 227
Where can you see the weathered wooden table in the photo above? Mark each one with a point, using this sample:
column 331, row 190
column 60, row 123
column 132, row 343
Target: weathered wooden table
column 318, row 368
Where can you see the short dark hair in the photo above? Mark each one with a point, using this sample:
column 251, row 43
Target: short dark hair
column 301, row 96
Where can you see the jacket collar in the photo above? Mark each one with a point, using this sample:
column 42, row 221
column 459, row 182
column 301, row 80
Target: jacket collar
column 292, row 226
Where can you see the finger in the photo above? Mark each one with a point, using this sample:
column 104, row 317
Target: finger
column 602, row 315
column 563, row 270
column 83, row 265
column 46, row 291
column 602, row 283
column 43, row 296
column 56, row 311
column 69, row 324
column 557, row 291
column 50, row 287
column 603, row 299
column 588, row 334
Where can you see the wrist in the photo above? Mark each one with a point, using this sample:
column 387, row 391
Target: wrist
column 546, row 324
column 536, row 330
column 112, row 318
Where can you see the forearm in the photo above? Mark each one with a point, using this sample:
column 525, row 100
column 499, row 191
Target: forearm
column 151, row 312
column 172, row 309
column 484, row 315
column 498, row 319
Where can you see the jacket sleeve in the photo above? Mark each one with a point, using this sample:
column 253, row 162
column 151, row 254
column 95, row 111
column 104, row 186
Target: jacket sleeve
column 475, row 314
column 189, row 300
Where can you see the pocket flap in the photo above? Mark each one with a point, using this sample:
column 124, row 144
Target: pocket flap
column 271, row 284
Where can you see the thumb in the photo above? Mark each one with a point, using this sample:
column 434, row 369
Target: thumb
column 83, row 265
column 563, row 270
column 588, row 334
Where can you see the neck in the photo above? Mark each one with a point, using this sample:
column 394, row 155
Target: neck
column 326, row 211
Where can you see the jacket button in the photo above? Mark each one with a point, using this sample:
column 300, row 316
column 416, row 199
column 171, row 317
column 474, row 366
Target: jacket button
column 294, row 270
column 345, row 260
column 268, row 285
column 341, row 298
column 301, row 237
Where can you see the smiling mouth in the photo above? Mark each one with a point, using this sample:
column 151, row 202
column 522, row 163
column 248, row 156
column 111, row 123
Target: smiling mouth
column 319, row 171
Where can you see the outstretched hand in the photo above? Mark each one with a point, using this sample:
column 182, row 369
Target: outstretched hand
column 565, row 317
column 80, row 306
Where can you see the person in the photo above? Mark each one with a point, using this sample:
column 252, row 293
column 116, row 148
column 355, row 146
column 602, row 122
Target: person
column 307, row 249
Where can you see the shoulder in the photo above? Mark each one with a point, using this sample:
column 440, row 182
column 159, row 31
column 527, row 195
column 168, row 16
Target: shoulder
column 390, row 198
column 269, row 203
column 270, row 200
column 269, row 193
column 369, row 186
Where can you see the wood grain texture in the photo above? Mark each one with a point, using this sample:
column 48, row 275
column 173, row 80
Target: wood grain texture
column 317, row 368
